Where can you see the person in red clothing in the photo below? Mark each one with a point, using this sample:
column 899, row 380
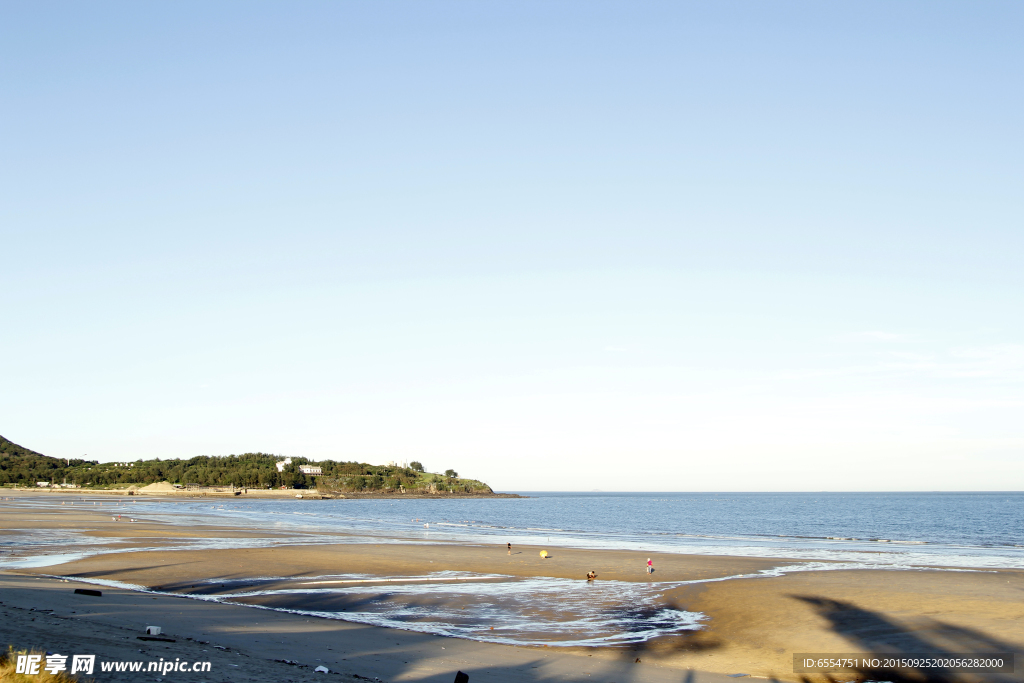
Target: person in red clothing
column 650, row 566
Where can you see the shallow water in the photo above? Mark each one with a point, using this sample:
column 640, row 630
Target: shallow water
column 491, row 608
column 543, row 610
column 945, row 529
column 500, row 609
column 504, row 609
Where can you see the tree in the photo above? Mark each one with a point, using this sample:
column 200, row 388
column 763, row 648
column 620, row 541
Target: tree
column 416, row 465
column 292, row 477
column 451, row 474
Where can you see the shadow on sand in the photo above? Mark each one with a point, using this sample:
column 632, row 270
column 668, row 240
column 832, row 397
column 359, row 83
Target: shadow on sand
column 878, row 635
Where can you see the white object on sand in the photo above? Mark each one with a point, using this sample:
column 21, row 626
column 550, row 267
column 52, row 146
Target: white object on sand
column 322, row 669
column 153, row 630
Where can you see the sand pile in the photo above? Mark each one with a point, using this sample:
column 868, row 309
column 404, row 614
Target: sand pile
column 158, row 487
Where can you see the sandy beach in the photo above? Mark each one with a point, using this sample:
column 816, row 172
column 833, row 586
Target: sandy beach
column 752, row 626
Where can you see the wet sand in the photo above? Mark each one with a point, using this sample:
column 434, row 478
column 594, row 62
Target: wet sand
column 754, row 626
column 108, row 626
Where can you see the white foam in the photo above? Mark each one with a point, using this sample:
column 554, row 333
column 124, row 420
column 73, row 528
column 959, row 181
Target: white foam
column 505, row 609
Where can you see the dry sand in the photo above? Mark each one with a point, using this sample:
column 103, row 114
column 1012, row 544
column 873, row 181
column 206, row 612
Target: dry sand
column 755, row 625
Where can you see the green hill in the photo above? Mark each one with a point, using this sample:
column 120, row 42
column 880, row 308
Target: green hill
column 24, row 467
column 20, row 466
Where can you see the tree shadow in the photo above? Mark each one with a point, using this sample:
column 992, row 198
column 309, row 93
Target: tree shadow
column 880, row 636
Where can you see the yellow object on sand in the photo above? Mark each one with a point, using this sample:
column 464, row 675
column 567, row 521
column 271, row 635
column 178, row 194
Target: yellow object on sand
column 544, row 554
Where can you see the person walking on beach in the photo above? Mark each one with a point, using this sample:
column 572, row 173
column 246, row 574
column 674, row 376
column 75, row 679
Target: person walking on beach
column 509, row 548
column 650, row 566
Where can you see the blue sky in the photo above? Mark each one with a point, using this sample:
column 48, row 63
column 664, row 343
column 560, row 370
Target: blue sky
column 625, row 246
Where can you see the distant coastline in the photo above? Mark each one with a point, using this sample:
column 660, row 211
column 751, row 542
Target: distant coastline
column 245, row 474
column 262, row 494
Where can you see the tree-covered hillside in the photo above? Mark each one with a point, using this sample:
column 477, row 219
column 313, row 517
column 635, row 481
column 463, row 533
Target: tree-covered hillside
column 19, row 465
column 23, row 467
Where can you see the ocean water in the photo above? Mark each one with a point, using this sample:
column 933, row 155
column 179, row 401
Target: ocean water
column 984, row 530
column 805, row 531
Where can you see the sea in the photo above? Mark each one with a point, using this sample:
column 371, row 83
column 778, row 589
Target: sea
column 942, row 531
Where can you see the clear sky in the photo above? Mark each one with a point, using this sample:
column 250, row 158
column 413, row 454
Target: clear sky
column 552, row 245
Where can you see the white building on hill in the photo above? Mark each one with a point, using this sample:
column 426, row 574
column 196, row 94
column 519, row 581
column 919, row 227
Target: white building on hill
column 311, row 470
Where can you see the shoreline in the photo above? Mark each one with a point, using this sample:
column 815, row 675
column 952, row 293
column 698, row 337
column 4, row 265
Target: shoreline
column 753, row 623
column 250, row 493
column 446, row 525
